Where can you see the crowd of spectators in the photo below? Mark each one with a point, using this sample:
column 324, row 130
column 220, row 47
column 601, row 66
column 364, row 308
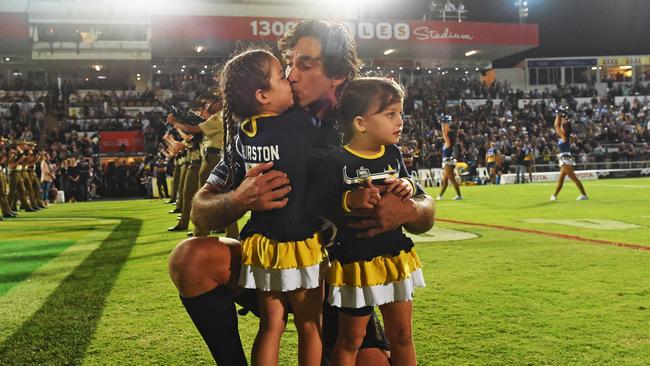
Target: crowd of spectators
column 603, row 132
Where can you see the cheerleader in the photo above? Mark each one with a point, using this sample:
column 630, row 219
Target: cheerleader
column 448, row 161
column 563, row 129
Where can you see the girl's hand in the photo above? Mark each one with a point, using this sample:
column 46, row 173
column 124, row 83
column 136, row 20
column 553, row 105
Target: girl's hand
column 363, row 197
column 400, row 187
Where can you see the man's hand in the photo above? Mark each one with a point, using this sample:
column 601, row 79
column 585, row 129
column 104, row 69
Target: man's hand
column 263, row 189
column 401, row 187
column 389, row 214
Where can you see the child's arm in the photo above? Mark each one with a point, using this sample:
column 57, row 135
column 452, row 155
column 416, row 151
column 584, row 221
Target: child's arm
column 361, row 197
column 404, row 186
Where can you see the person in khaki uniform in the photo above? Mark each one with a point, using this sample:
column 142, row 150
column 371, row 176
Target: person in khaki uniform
column 175, row 178
column 5, row 210
column 190, row 183
column 32, row 183
column 211, row 144
column 17, row 191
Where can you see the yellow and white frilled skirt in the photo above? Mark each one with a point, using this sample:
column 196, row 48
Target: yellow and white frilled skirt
column 269, row 265
column 376, row 282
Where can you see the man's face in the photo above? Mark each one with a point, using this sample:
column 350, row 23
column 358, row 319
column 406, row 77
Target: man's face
column 306, row 72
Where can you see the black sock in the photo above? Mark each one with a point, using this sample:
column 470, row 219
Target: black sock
column 214, row 315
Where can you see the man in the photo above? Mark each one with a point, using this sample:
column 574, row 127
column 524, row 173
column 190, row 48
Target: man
column 321, row 60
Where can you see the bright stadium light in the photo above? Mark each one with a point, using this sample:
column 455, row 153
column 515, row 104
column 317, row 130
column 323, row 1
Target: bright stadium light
column 471, row 53
column 7, row 59
column 417, row 68
column 389, row 51
column 199, row 49
column 155, row 66
column 97, row 67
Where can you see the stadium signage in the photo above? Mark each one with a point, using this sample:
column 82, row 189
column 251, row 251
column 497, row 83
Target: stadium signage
column 425, row 34
column 269, row 29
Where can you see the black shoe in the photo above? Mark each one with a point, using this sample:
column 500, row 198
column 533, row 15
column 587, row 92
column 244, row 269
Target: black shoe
column 190, row 234
column 170, row 202
column 175, row 211
column 177, row 228
column 29, row 209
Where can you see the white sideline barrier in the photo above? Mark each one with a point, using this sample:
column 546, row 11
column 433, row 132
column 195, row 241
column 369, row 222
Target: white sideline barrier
column 551, row 176
column 582, row 175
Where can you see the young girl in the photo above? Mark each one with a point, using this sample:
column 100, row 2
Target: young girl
column 563, row 129
column 448, row 161
column 366, row 272
column 281, row 248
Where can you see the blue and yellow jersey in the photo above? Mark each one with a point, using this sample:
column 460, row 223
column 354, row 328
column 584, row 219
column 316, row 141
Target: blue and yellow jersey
column 492, row 155
column 529, row 154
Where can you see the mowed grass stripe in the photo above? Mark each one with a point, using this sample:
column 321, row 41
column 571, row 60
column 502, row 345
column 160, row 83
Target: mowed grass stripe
column 18, row 259
column 24, row 299
column 59, row 332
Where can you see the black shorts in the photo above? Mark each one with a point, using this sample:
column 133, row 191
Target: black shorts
column 491, row 166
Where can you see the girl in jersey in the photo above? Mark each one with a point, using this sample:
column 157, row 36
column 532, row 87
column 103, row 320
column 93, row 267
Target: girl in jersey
column 281, row 248
column 563, row 129
column 448, row 161
column 383, row 270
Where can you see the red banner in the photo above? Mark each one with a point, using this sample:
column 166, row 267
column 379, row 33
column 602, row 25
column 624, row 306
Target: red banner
column 14, row 26
column 192, row 28
column 121, row 141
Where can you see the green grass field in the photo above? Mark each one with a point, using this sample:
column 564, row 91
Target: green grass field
column 87, row 283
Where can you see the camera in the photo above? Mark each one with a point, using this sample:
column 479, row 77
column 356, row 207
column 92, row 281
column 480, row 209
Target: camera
column 564, row 112
column 189, row 118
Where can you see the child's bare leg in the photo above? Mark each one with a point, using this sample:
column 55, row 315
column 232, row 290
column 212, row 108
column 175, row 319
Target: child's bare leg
column 352, row 329
column 273, row 320
column 399, row 331
column 307, row 308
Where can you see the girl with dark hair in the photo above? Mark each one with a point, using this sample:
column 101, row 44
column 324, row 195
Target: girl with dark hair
column 382, row 270
column 448, row 161
column 563, row 129
column 282, row 252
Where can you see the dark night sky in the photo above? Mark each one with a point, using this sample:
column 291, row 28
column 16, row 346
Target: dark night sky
column 566, row 27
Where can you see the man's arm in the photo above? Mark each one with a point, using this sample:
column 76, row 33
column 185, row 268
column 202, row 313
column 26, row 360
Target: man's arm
column 261, row 190
column 416, row 215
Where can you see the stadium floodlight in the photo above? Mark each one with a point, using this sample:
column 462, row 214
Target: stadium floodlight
column 199, row 49
column 471, row 53
column 429, row 71
column 392, row 71
column 438, row 68
column 158, row 72
column 378, row 68
column 97, row 67
column 138, row 75
column 7, row 59
column 155, row 66
column 417, row 68
column 456, row 68
column 205, row 66
column 476, row 69
column 401, row 68
column 523, row 10
column 389, row 51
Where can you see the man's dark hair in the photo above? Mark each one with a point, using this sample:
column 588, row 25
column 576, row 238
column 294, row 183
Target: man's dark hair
column 338, row 48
